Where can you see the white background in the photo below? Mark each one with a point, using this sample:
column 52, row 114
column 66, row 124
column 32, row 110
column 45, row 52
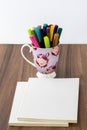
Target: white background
column 16, row 16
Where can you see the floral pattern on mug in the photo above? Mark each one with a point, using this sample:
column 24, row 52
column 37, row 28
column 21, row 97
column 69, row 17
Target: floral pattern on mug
column 46, row 59
column 42, row 60
column 50, row 69
column 55, row 51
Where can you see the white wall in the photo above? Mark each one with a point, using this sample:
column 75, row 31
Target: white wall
column 16, row 16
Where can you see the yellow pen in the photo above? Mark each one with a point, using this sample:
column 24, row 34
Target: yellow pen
column 51, row 32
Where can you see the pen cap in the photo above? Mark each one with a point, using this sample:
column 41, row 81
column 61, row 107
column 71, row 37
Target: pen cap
column 33, row 33
column 44, row 30
column 29, row 32
column 48, row 32
column 40, row 26
column 34, row 41
column 45, row 24
column 42, row 40
column 46, row 42
column 55, row 28
column 59, row 31
column 55, row 39
column 37, row 30
column 51, row 32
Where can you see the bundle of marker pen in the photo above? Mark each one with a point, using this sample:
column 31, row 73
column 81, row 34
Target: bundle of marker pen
column 45, row 36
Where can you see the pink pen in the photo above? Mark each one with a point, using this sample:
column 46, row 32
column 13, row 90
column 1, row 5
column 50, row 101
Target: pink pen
column 34, row 41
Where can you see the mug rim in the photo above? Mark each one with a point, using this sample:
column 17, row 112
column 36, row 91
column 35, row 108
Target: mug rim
column 44, row 48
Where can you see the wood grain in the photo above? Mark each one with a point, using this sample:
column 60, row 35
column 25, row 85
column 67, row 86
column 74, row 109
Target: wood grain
column 13, row 68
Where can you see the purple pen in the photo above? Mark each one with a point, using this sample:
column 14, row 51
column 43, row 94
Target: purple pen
column 55, row 28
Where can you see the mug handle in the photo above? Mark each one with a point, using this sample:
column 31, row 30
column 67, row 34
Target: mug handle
column 30, row 48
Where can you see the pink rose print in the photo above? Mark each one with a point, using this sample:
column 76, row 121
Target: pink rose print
column 42, row 60
column 50, row 69
column 55, row 51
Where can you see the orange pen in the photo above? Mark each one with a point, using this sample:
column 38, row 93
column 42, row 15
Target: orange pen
column 55, row 39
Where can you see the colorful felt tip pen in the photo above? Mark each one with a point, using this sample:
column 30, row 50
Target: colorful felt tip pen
column 42, row 40
column 55, row 28
column 37, row 30
column 33, row 33
column 59, row 31
column 48, row 32
column 46, row 42
column 29, row 32
column 45, row 24
column 51, row 32
column 44, row 30
column 55, row 39
column 34, row 41
column 39, row 26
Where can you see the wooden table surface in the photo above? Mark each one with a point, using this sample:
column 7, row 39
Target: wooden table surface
column 13, row 68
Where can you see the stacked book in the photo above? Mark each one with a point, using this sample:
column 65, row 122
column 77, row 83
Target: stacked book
column 45, row 102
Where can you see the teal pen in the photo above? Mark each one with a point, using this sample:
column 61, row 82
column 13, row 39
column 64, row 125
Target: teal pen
column 37, row 30
column 45, row 24
column 59, row 31
column 46, row 42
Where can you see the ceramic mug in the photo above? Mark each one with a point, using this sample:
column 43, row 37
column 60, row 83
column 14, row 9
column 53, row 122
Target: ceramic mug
column 45, row 59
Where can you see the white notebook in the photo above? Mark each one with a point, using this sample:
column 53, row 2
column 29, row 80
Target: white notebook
column 18, row 97
column 54, row 100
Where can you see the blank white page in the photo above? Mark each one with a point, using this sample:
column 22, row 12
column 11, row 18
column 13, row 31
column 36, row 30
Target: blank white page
column 50, row 99
column 13, row 121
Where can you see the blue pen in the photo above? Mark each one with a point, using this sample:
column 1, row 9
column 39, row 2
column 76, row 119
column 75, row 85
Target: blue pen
column 45, row 30
column 37, row 30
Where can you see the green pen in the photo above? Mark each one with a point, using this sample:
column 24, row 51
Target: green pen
column 46, row 42
column 33, row 33
column 29, row 32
